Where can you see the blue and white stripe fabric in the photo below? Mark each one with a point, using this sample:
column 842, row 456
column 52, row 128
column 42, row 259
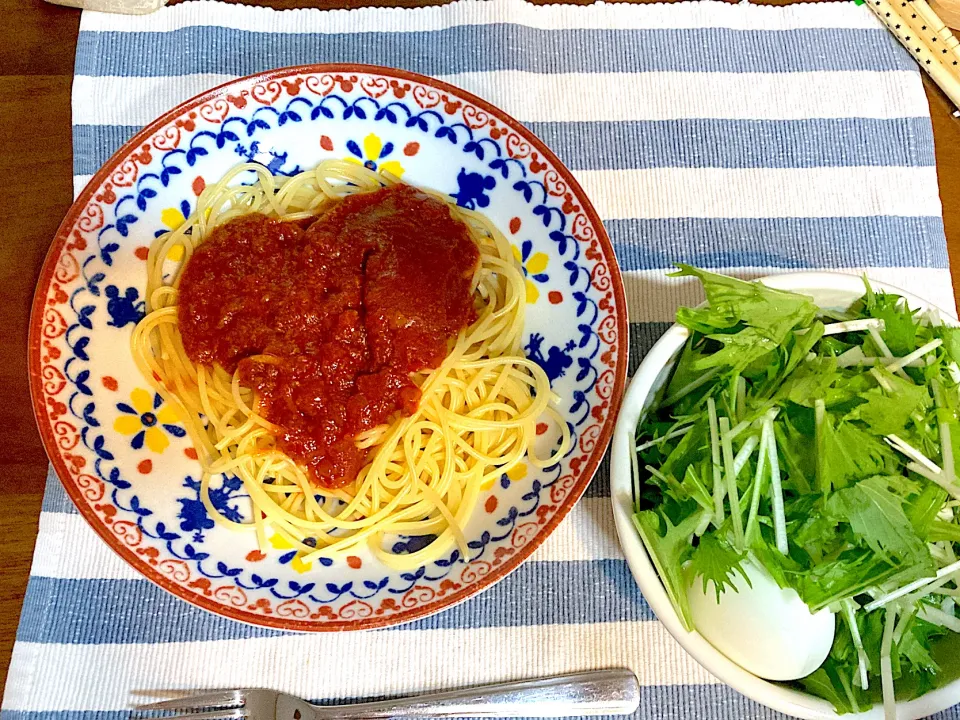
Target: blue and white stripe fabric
column 741, row 138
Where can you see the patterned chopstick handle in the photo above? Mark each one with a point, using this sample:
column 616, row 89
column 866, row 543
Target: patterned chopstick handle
column 937, row 30
column 930, row 43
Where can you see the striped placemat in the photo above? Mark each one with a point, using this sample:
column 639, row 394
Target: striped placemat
column 743, row 138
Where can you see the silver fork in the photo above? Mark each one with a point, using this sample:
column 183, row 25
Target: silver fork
column 603, row 692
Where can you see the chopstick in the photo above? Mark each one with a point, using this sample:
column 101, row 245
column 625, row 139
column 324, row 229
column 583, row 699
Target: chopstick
column 931, row 43
column 938, row 27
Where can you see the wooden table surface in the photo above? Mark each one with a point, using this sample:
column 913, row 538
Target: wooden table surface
column 36, row 72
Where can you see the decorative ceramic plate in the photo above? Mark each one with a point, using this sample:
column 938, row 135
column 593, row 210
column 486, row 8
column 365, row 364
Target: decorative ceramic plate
column 120, row 452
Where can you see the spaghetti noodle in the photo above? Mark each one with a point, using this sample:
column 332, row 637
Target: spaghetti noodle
column 423, row 473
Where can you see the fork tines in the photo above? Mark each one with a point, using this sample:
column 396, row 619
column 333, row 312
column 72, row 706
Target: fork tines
column 219, row 705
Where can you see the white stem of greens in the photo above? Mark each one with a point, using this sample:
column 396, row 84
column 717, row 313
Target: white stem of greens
column 884, row 350
column 704, row 524
column 776, row 491
column 901, row 445
column 757, row 485
column 939, row 617
column 886, row 671
column 881, row 380
column 910, row 587
column 854, row 357
column 749, row 445
column 863, row 662
column 734, row 397
column 897, row 365
column 933, row 587
column 690, row 387
column 878, row 341
column 937, row 552
column 948, row 550
column 949, row 605
column 946, row 453
column 937, row 478
column 657, row 474
column 739, row 428
column 851, row 698
column 954, row 371
column 902, row 624
column 946, row 441
column 731, row 481
column 820, row 417
column 937, row 388
column 851, row 326
column 669, row 436
column 718, row 491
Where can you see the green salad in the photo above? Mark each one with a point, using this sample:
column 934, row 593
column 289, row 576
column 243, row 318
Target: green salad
column 819, row 443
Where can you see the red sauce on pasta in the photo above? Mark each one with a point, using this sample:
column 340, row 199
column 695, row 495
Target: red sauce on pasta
column 326, row 322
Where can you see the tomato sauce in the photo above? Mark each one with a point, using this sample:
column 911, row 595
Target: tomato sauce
column 326, row 320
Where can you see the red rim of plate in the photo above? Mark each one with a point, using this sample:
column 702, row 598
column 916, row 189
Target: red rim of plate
column 63, row 233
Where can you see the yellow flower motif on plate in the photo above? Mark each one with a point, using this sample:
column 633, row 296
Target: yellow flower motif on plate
column 534, row 266
column 148, row 420
column 517, row 472
column 279, row 542
column 173, row 218
column 373, row 152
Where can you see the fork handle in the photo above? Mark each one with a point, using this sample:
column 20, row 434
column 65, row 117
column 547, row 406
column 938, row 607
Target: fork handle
column 602, row 692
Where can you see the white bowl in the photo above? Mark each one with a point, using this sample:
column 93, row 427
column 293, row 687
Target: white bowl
column 828, row 290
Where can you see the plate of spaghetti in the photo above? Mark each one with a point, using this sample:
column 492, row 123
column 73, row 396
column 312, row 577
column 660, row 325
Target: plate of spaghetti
column 328, row 348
